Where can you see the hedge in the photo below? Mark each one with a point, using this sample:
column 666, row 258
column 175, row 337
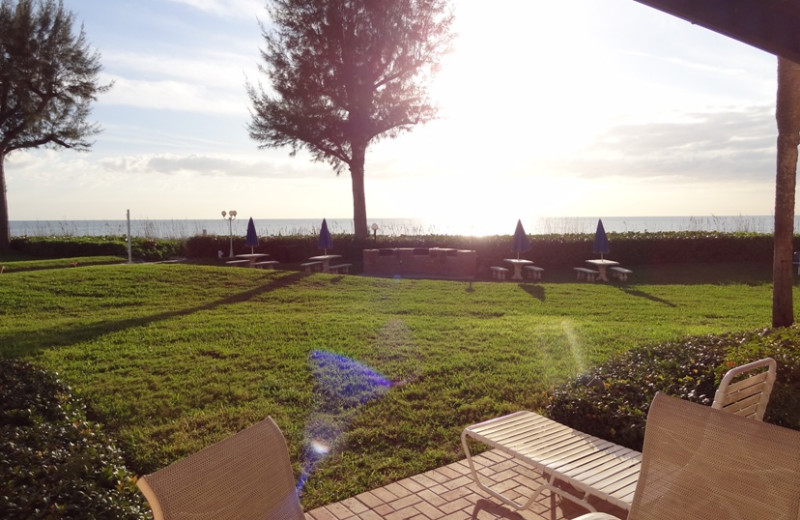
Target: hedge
column 548, row 251
column 611, row 401
column 146, row 249
column 54, row 462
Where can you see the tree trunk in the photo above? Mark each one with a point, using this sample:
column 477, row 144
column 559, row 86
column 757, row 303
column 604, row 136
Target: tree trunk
column 359, row 197
column 787, row 114
column 5, row 227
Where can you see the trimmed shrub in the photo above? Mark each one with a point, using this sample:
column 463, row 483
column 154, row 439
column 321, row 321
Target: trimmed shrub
column 612, row 401
column 147, row 249
column 548, row 251
column 54, row 463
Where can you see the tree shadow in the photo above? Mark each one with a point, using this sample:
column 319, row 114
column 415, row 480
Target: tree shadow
column 483, row 506
column 25, row 343
column 558, row 509
column 641, row 294
column 537, row 291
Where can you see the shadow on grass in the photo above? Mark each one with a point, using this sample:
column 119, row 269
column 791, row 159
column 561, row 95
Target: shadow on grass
column 537, row 291
column 642, row 294
column 24, row 343
column 715, row 273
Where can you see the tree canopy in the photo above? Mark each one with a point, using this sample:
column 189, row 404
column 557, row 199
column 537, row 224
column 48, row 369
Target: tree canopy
column 345, row 73
column 48, row 80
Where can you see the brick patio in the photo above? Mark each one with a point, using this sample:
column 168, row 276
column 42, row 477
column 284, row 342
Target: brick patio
column 448, row 493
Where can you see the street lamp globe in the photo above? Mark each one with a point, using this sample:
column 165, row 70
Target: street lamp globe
column 375, row 231
column 231, row 215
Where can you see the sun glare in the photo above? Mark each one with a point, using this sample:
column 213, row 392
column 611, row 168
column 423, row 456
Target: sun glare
column 518, row 78
column 522, row 93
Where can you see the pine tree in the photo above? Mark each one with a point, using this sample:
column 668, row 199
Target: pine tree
column 345, row 73
column 48, row 79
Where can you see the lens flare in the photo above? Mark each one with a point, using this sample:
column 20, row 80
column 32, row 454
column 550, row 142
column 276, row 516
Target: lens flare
column 341, row 387
column 319, row 447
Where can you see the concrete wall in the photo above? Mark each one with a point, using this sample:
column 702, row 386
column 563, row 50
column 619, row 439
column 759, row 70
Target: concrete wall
column 434, row 262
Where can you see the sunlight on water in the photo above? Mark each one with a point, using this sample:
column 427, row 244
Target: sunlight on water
column 467, row 223
column 341, row 386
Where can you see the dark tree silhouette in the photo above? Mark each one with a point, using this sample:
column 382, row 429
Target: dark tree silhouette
column 345, row 73
column 787, row 115
column 48, row 79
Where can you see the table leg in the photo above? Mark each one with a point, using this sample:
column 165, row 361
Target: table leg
column 517, row 272
column 602, row 276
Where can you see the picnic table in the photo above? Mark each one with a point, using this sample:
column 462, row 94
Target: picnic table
column 602, row 265
column 248, row 258
column 518, row 263
column 326, row 261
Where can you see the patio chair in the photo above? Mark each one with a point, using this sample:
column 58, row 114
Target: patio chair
column 245, row 476
column 700, row 463
column 748, row 396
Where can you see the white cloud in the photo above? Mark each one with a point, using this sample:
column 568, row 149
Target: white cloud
column 227, row 8
column 726, row 145
column 211, row 68
column 273, row 167
column 176, row 95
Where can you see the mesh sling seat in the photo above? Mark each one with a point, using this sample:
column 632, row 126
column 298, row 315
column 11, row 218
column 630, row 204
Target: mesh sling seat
column 700, row 463
column 245, row 476
column 745, row 390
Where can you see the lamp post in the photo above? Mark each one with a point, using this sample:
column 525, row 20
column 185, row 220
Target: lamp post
column 230, row 216
column 375, row 232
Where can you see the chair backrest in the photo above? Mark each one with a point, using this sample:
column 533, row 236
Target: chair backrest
column 699, row 463
column 245, row 476
column 747, row 396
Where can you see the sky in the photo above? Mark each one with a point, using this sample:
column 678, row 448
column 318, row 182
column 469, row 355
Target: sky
column 565, row 108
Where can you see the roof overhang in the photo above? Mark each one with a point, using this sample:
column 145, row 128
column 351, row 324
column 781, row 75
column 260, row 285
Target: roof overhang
column 770, row 25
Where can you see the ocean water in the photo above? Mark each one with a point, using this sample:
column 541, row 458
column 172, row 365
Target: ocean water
column 177, row 228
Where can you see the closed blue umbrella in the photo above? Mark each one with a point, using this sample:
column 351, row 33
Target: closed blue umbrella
column 324, row 241
column 520, row 244
column 252, row 237
column 600, row 240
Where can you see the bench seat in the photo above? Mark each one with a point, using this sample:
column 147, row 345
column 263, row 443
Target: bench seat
column 592, row 466
column 267, row 264
column 311, row 267
column 620, row 273
column 499, row 273
column 340, row 268
column 243, row 263
column 534, row 272
column 584, row 273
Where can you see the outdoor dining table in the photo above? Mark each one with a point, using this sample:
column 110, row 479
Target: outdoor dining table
column 252, row 257
column 602, row 264
column 326, row 261
column 518, row 264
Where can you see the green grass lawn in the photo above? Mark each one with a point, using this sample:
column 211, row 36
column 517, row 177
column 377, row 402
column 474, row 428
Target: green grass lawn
column 371, row 379
column 18, row 263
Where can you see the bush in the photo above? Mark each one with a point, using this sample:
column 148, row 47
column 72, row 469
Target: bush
column 783, row 345
column 548, row 251
column 612, row 401
column 147, row 249
column 54, row 463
